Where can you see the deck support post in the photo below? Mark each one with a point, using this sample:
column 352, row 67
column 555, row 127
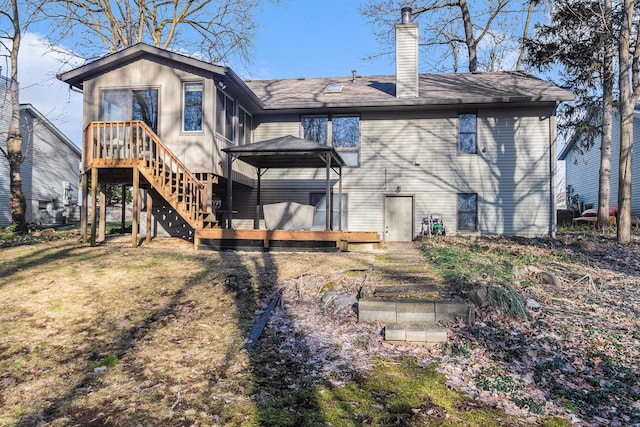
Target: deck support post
column 229, row 190
column 340, row 198
column 94, row 205
column 256, row 221
column 149, row 216
column 327, row 160
column 102, row 225
column 136, row 208
column 85, row 206
column 123, row 212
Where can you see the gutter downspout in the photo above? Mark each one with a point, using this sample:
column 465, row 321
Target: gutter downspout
column 553, row 137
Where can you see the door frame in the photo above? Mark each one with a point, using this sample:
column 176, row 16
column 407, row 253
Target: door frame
column 413, row 212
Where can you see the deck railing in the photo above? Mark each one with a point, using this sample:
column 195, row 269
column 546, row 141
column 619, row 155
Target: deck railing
column 133, row 143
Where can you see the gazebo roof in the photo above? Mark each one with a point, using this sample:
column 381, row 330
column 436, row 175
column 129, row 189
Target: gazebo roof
column 286, row 152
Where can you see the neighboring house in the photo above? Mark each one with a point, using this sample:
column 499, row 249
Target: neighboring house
column 583, row 169
column 50, row 171
column 478, row 148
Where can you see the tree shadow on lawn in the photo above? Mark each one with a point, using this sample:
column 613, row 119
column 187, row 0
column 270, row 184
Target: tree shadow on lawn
column 47, row 254
column 270, row 386
column 283, row 387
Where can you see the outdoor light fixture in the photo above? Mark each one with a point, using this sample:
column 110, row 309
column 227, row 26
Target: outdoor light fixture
column 222, row 85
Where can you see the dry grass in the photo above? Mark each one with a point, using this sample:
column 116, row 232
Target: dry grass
column 118, row 336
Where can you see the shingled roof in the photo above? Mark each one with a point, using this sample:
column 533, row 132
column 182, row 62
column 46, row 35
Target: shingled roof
column 379, row 91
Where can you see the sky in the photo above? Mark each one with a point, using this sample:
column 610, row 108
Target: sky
column 296, row 38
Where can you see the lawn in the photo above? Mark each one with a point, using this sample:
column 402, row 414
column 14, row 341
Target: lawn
column 112, row 335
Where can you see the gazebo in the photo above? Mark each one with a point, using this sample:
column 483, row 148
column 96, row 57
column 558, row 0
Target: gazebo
column 287, row 152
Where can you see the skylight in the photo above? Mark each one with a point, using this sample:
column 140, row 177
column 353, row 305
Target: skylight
column 333, row 88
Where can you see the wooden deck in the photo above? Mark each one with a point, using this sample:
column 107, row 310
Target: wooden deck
column 283, row 240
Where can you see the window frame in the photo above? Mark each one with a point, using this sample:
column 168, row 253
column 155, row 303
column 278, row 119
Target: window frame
column 329, row 134
column 462, row 132
column 318, row 200
column 245, row 127
column 184, row 106
column 129, row 103
column 459, row 226
column 227, row 118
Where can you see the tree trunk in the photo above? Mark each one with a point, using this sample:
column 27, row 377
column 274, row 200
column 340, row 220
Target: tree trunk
column 604, row 183
column 626, row 125
column 525, row 31
column 14, row 137
column 468, row 35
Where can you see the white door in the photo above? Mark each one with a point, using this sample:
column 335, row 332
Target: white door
column 398, row 218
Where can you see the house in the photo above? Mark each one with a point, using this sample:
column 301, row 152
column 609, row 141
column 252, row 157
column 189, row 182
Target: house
column 583, row 168
column 478, row 148
column 50, row 172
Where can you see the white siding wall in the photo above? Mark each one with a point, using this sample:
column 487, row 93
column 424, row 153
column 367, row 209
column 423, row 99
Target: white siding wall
column 583, row 169
column 416, row 154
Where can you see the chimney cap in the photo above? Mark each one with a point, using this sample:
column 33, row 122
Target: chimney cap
column 406, row 14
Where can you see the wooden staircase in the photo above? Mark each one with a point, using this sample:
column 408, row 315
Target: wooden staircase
column 133, row 144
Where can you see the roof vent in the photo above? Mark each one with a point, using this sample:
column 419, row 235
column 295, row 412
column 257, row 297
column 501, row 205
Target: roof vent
column 333, row 88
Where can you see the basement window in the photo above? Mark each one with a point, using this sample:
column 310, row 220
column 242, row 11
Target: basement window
column 319, row 202
column 467, row 212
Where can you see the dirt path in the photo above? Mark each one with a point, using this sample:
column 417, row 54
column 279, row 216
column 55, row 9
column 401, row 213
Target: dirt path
column 400, row 271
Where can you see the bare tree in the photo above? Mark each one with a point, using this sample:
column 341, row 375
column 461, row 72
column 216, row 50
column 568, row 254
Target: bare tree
column 10, row 39
column 608, row 78
column 216, row 29
column 629, row 84
column 580, row 38
column 476, row 26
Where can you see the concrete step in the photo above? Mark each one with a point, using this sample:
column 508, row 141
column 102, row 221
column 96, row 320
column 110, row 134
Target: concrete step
column 428, row 334
column 412, row 291
column 413, row 311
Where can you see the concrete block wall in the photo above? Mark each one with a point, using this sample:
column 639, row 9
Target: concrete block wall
column 414, row 321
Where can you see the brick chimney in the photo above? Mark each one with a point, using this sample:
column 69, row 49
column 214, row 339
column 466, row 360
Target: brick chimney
column 407, row 56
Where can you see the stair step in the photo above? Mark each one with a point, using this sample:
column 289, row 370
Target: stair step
column 413, row 311
column 171, row 185
column 428, row 334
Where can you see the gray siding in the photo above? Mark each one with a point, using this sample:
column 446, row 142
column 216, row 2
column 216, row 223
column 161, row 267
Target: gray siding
column 416, row 154
column 49, row 162
column 582, row 169
column 53, row 164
